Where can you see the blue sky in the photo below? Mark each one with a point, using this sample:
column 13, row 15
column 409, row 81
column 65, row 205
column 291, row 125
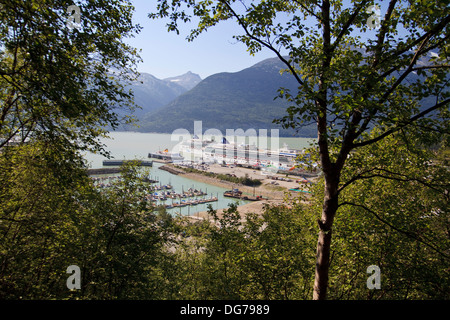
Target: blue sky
column 167, row 54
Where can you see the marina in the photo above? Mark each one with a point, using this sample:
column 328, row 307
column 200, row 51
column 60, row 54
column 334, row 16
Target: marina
column 179, row 195
column 162, row 195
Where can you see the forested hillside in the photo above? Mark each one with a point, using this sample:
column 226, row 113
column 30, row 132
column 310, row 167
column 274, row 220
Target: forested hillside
column 245, row 99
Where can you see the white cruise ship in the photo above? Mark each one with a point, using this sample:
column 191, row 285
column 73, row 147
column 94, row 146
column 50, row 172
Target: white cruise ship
column 225, row 152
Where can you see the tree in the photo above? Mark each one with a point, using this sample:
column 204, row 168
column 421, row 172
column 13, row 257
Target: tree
column 262, row 256
column 126, row 244
column 60, row 81
column 278, row 252
column 60, row 86
column 52, row 216
column 394, row 215
column 351, row 79
column 44, row 219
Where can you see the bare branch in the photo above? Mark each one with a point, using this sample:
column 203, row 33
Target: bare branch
column 264, row 43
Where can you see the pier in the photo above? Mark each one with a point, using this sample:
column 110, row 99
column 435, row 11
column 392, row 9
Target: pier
column 160, row 195
column 100, row 171
column 121, row 162
column 191, row 197
column 171, row 170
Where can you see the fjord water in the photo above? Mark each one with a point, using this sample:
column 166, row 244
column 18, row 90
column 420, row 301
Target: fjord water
column 135, row 145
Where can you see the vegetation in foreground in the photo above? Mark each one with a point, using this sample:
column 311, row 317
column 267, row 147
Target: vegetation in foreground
column 382, row 147
column 51, row 219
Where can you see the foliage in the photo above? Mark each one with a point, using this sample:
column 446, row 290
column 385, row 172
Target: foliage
column 58, row 81
column 261, row 257
column 394, row 215
column 40, row 219
column 126, row 250
column 350, row 79
column 51, row 219
column 129, row 241
column 385, row 171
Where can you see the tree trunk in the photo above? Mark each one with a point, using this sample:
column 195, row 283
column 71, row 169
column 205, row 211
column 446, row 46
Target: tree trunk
column 330, row 206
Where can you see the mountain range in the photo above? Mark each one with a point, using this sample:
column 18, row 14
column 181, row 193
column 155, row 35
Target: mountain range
column 151, row 93
column 239, row 100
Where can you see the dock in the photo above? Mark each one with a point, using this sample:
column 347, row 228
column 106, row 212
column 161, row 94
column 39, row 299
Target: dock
column 142, row 163
column 99, row 171
column 171, row 170
column 115, row 166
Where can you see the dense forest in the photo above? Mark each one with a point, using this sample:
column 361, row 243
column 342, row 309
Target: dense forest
column 127, row 249
column 382, row 198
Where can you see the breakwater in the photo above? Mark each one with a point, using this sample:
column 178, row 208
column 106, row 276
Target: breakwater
column 172, row 170
column 99, row 171
column 121, row 162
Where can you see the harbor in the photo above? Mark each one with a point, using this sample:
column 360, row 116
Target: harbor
column 271, row 187
column 179, row 194
column 164, row 172
column 191, row 193
column 202, row 151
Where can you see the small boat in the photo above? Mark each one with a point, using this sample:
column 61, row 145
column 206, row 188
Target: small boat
column 235, row 193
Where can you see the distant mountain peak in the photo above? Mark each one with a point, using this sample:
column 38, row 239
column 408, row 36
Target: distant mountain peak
column 237, row 100
column 188, row 80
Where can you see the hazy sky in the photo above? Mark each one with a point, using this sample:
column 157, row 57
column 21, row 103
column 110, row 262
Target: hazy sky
column 166, row 54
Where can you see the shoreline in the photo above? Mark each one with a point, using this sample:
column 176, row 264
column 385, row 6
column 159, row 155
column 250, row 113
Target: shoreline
column 252, row 207
column 266, row 189
column 274, row 192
